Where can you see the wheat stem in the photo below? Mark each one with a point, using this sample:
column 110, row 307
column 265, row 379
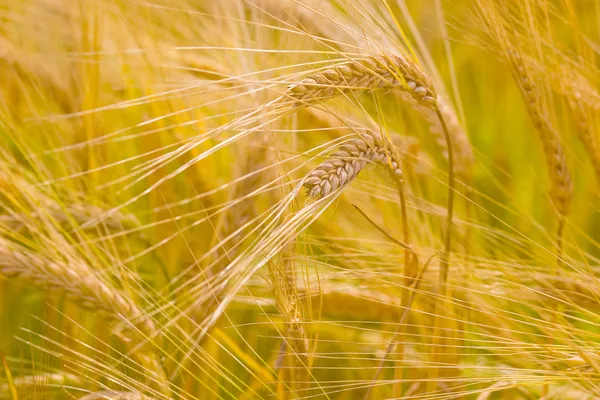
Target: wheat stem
column 450, row 206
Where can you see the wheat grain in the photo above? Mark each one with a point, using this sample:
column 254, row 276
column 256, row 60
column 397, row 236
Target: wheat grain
column 344, row 165
column 372, row 73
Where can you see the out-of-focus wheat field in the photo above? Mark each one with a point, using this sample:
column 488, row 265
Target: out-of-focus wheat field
column 178, row 218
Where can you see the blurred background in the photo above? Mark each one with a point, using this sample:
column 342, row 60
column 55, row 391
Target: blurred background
column 156, row 241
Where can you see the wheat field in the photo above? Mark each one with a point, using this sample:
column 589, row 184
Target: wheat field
column 299, row 199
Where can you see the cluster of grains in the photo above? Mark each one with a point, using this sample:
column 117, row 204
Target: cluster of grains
column 562, row 187
column 582, row 100
column 372, row 73
column 77, row 213
column 78, row 282
column 288, row 303
column 346, row 163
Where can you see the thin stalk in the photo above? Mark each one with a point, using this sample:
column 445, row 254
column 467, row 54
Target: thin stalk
column 408, row 276
column 9, row 378
column 444, row 260
column 451, row 188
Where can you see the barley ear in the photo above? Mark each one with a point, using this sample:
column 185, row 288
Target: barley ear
column 344, row 165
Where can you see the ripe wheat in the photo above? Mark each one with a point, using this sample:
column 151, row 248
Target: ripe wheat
column 372, row 73
column 345, row 164
column 561, row 190
column 78, row 282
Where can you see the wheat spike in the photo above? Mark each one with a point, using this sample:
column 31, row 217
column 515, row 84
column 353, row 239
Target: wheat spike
column 582, row 100
column 289, row 305
column 30, row 383
column 561, row 190
column 372, row 73
column 78, row 213
column 78, row 282
column 345, row 164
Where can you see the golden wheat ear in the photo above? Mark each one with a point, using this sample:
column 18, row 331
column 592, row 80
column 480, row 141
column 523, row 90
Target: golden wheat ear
column 79, row 282
column 345, row 164
column 561, row 191
column 379, row 72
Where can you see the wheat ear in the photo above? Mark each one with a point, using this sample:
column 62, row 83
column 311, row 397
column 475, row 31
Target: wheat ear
column 78, row 282
column 345, row 164
column 289, row 305
column 562, row 187
column 78, row 213
column 582, row 100
column 378, row 72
